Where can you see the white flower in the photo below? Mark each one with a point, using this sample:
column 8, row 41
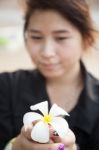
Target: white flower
column 40, row 131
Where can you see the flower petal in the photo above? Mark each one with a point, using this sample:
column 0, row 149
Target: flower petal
column 43, row 107
column 40, row 132
column 56, row 111
column 61, row 126
column 29, row 117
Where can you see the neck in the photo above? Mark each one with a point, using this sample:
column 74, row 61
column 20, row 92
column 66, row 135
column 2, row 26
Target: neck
column 70, row 77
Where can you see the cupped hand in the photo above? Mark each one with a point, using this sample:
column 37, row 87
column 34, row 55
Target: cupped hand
column 24, row 141
column 69, row 141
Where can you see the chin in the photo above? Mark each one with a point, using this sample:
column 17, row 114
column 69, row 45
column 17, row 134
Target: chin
column 54, row 74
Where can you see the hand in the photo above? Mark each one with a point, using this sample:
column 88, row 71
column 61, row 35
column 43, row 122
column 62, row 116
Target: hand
column 69, row 141
column 24, row 142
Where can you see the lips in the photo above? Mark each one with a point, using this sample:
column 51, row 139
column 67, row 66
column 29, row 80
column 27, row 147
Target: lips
column 49, row 65
column 51, row 62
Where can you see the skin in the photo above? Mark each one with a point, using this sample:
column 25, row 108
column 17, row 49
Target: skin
column 23, row 141
column 56, row 47
column 54, row 44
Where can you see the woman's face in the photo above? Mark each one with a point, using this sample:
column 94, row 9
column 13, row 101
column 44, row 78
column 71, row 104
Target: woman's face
column 54, row 44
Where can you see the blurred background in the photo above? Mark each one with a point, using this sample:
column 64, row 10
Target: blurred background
column 13, row 54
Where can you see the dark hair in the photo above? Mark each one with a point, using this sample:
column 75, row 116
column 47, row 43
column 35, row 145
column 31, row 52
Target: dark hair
column 76, row 11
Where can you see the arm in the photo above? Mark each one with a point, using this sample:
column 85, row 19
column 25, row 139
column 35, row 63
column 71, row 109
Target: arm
column 6, row 127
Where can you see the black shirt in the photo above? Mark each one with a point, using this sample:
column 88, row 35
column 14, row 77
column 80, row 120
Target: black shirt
column 21, row 89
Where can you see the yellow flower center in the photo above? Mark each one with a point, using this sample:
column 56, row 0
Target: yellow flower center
column 47, row 119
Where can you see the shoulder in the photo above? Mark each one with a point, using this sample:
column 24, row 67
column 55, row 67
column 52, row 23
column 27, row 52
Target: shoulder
column 91, row 93
column 19, row 75
column 21, row 84
column 22, row 79
column 93, row 79
column 93, row 84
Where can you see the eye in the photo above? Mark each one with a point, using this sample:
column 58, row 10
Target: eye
column 36, row 37
column 61, row 38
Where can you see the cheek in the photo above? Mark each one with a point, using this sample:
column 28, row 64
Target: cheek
column 33, row 50
column 71, row 52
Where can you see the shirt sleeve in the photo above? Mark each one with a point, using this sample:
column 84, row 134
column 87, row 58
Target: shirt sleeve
column 18, row 91
column 6, row 123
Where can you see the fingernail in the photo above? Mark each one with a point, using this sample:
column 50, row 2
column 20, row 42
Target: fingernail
column 61, row 147
column 55, row 133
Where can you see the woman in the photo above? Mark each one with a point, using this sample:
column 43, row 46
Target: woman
column 57, row 34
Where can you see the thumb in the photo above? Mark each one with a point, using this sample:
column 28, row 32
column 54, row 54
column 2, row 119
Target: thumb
column 26, row 132
column 54, row 146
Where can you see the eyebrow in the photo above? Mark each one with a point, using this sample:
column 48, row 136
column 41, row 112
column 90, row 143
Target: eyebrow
column 34, row 31
column 61, row 31
column 55, row 32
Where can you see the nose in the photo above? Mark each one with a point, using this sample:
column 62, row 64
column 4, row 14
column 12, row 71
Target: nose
column 48, row 49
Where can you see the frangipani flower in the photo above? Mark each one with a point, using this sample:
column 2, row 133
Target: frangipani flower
column 40, row 131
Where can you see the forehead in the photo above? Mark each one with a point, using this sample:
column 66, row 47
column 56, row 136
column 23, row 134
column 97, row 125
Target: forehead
column 48, row 18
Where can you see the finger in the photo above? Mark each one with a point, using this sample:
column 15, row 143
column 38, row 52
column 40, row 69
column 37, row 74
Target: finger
column 54, row 146
column 68, row 140
column 72, row 147
column 37, row 146
column 27, row 132
column 54, row 136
